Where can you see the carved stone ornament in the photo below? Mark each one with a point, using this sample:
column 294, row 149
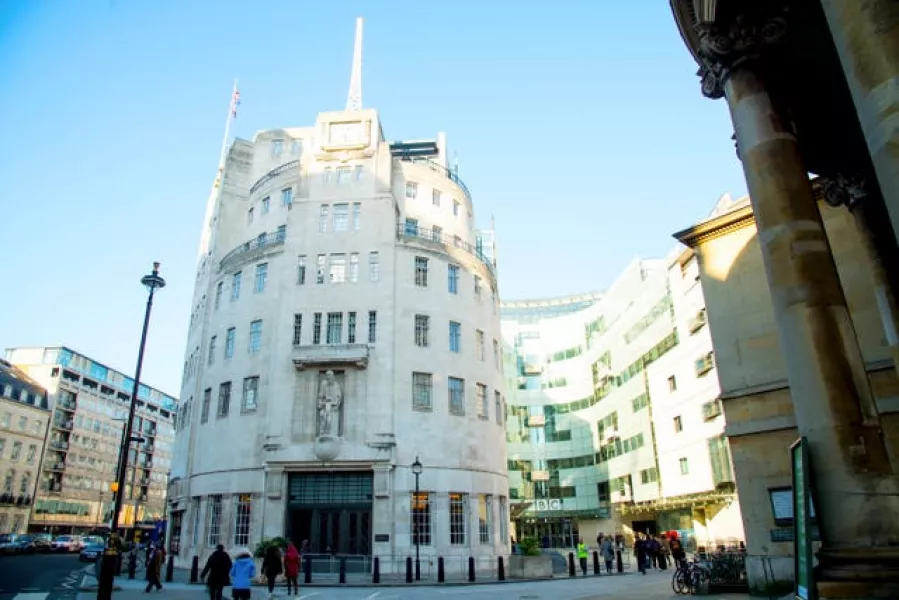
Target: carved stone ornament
column 845, row 190
column 723, row 47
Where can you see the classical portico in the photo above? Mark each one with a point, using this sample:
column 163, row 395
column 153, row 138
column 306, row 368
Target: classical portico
column 776, row 65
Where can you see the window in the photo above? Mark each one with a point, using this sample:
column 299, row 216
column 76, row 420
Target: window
column 323, row 219
column 320, row 269
column 357, row 211
column 421, row 271
column 436, row 233
column 23, row 420
column 372, row 326
column 343, row 174
column 422, row 323
column 255, row 336
column 354, row 267
column 266, row 203
column 341, row 217
column 503, row 519
column 207, row 400
column 16, row 451
column 455, row 337
column 477, row 285
column 455, row 208
column 650, row 475
column 337, row 272
column 678, row 424
column 250, row 216
column 219, row 288
column 458, row 516
column 229, row 342
column 235, row 286
column 224, row 399
column 479, row 344
column 277, row 147
column 335, row 328
column 195, row 509
column 452, row 279
column 496, row 353
column 25, row 486
column 498, row 406
column 211, row 358
column 35, row 429
column 213, row 529
column 684, row 466
column 411, row 227
column 421, row 519
column 250, row 394
column 32, row 451
column 435, row 197
column 485, row 506
column 261, row 276
column 317, row 328
column 297, row 329
column 704, row 365
column 8, row 483
column 374, row 266
column 672, row 383
column 2, row 446
column 481, row 391
column 421, row 391
column 357, row 173
column 242, row 520
column 286, row 197
column 411, row 190
column 281, row 233
column 301, row 269
column 327, row 176
column 456, row 396
column 296, row 147
column 351, row 328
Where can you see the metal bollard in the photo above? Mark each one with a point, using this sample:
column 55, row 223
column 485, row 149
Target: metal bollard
column 408, row 569
column 595, row 562
column 170, row 569
column 195, row 569
column 343, row 569
column 471, row 568
column 376, row 571
column 132, row 565
column 571, row 569
column 307, row 570
column 618, row 559
column 441, row 574
column 500, row 569
column 417, row 569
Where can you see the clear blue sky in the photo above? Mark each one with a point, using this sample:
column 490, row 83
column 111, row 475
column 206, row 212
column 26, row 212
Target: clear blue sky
column 578, row 124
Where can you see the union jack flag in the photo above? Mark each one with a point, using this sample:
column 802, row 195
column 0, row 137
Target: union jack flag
column 235, row 102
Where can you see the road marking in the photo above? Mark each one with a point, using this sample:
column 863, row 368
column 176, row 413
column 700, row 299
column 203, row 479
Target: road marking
column 375, row 595
column 31, row 595
column 310, row 595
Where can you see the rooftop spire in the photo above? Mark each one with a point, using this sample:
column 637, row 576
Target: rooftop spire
column 354, row 98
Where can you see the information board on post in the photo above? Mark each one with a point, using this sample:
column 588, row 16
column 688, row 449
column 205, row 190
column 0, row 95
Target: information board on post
column 802, row 526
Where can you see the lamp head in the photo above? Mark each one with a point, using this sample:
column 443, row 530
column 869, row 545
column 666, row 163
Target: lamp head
column 153, row 281
column 416, row 467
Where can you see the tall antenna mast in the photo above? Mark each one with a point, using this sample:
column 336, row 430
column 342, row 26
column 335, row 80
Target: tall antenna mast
column 354, row 98
column 216, row 192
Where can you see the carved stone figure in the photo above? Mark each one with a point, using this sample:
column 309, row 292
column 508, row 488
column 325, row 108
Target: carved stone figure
column 330, row 399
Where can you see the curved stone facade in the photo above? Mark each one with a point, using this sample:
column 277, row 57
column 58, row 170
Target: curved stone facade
column 346, row 322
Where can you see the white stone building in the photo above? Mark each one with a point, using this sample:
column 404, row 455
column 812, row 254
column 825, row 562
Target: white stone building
column 600, row 384
column 333, row 250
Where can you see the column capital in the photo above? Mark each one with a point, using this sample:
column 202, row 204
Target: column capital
column 845, row 190
column 725, row 46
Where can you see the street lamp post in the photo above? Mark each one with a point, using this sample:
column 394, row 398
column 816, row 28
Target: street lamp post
column 416, row 470
column 152, row 282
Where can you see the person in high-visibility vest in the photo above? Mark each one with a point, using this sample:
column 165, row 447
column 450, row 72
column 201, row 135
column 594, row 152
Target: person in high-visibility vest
column 582, row 555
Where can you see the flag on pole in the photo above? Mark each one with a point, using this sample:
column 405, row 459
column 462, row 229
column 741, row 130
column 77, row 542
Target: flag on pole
column 235, row 102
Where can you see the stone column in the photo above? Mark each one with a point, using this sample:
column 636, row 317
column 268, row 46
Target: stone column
column 866, row 35
column 854, row 480
column 862, row 196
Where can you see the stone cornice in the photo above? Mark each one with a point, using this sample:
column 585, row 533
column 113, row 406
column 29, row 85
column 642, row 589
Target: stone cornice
column 716, row 227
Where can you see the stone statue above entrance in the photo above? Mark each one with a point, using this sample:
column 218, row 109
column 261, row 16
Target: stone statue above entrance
column 329, row 402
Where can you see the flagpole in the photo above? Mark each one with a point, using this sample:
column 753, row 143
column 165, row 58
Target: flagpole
column 215, row 193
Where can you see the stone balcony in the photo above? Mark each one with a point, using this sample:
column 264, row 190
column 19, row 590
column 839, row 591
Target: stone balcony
column 330, row 355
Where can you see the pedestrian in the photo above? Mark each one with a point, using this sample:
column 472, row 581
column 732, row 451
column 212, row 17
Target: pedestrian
column 292, row 569
column 218, row 567
column 154, row 569
column 271, row 568
column 608, row 553
column 640, row 553
column 242, row 573
column 582, row 555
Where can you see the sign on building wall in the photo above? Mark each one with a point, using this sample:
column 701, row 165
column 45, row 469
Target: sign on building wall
column 802, row 521
column 549, row 504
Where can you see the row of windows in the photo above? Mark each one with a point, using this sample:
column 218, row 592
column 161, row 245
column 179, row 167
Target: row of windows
column 423, row 397
column 412, row 193
column 420, row 515
column 36, row 427
column 16, row 451
column 243, row 510
column 452, row 276
column 253, row 345
column 339, row 267
column 423, row 336
column 9, row 482
column 334, row 329
column 265, row 205
column 249, row 400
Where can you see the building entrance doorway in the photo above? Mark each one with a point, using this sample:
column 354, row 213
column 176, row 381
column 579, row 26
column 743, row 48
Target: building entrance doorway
column 332, row 511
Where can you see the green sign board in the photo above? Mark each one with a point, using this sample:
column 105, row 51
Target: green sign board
column 802, row 526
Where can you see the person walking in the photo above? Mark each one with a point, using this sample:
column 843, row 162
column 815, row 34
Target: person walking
column 292, row 569
column 218, row 567
column 608, row 553
column 582, row 555
column 640, row 552
column 154, row 569
column 271, row 568
column 242, row 573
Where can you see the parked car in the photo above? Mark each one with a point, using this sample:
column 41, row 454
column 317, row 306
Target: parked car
column 22, row 544
column 43, row 542
column 66, row 543
column 92, row 551
column 7, row 543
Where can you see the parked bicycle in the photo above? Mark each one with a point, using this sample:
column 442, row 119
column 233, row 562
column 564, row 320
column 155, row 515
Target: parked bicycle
column 691, row 577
